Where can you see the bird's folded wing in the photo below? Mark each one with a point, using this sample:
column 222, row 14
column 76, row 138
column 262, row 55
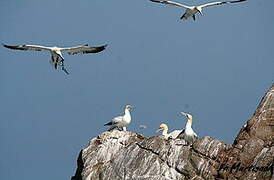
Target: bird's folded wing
column 27, row 47
column 84, row 49
column 174, row 134
column 181, row 135
column 117, row 119
column 170, row 3
column 220, row 3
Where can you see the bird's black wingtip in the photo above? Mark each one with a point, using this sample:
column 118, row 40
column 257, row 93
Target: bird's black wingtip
column 5, row 45
column 9, row 46
column 157, row 1
column 237, row 1
column 101, row 48
column 108, row 124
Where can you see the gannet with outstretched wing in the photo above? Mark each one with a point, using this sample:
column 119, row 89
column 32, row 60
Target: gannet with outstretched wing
column 57, row 58
column 188, row 134
column 121, row 121
column 164, row 128
column 192, row 10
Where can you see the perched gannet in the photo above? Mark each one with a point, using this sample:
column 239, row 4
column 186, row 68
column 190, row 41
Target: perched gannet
column 57, row 58
column 188, row 134
column 121, row 121
column 164, row 128
column 192, row 10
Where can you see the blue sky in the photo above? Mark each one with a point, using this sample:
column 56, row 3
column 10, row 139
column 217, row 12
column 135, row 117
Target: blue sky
column 216, row 68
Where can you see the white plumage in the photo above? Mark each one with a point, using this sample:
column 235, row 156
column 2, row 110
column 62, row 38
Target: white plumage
column 164, row 128
column 121, row 121
column 57, row 58
column 192, row 10
column 188, row 133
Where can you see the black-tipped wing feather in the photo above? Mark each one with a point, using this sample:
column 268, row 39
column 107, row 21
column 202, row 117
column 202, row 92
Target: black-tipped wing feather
column 170, row 3
column 220, row 3
column 110, row 123
column 85, row 49
column 181, row 135
column 27, row 47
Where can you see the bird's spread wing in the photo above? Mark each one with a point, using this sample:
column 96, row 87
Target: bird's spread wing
column 83, row 49
column 220, row 3
column 27, row 47
column 170, row 3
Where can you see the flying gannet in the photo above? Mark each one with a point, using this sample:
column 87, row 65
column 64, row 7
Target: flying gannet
column 164, row 128
column 188, row 134
column 57, row 58
column 192, row 10
column 121, row 121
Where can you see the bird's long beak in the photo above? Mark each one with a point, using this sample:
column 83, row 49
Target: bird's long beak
column 184, row 114
column 158, row 130
column 132, row 107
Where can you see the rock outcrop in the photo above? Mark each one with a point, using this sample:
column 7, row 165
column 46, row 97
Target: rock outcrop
column 128, row 155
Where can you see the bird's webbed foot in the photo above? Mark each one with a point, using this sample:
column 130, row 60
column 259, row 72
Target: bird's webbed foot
column 120, row 128
column 62, row 65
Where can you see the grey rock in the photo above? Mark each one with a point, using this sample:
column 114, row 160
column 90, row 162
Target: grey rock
column 132, row 156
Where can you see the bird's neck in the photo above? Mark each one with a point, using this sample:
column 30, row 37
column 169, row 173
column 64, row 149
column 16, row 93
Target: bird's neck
column 164, row 132
column 127, row 113
column 189, row 124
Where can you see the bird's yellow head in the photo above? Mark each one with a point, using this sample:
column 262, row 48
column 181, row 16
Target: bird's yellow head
column 163, row 127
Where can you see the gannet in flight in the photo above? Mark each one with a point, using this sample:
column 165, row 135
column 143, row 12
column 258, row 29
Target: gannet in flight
column 121, row 121
column 164, row 128
column 192, row 10
column 57, row 58
column 188, row 134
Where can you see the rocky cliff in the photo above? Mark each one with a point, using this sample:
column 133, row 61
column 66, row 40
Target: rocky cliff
column 128, row 155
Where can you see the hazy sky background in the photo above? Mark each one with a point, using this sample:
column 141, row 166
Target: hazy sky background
column 217, row 68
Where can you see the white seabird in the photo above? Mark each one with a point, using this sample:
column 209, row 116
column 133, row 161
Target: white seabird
column 57, row 58
column 121, row 121
column 188, row 134
column 164, row 128
column 192, row 10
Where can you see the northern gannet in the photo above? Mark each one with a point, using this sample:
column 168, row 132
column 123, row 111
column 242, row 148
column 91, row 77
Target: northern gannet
column 192, row 10
column 188, row 134
column 57, row 58
column 164, row 128
column 121, row 121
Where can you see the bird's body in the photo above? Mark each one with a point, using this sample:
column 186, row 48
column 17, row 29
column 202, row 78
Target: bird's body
column 121, row 121
column 188, row 133
column 173, row 135
column 57, row 59
column 191, row 11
